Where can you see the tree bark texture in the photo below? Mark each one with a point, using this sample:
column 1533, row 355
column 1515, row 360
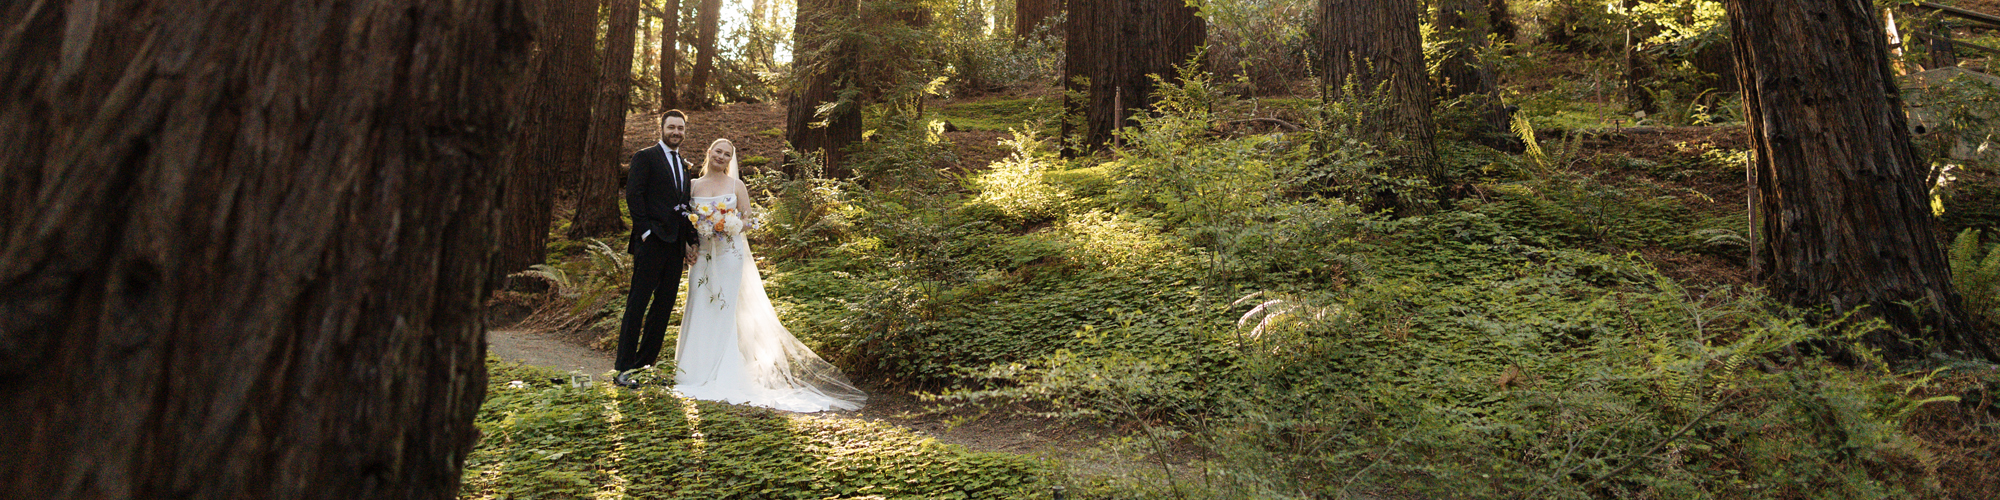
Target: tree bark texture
column 1839, row 208
column 824, row 63
column 1462, row 74
column 1502, row 19
column 670, row 56
column 550, row 144
column 1371, row 56
column 1112, row 46
column 603, row 177
column 1030, row 14
column 244, row 244
column 707, row 21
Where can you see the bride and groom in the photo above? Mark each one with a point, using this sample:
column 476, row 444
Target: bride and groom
column 732, row 347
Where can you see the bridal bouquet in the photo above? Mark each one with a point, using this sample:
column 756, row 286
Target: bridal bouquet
column 713, row 219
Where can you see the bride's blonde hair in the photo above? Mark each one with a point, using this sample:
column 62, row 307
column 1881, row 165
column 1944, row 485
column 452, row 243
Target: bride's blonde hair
column 706, row 158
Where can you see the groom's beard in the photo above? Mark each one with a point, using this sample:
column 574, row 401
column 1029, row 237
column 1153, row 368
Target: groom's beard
column 673, row 141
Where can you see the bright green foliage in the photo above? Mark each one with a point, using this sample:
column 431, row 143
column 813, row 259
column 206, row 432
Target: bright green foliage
column 1977, row 277
column 1192, row 289
column 1004, row 114
column 547, row 439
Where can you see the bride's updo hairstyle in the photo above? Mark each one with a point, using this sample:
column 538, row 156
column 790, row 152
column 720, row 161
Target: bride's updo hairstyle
column 706, row 158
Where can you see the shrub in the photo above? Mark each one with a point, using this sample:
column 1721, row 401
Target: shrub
column 1976, row 277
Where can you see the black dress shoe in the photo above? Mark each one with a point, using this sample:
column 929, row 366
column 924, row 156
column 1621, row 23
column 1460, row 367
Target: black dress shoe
column 624, row 379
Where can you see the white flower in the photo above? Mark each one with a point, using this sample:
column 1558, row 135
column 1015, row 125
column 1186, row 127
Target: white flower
column 732, row 225
column 705, row 209
column 517, row 385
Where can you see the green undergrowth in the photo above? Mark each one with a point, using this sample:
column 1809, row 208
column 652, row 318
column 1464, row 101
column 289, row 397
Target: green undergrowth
column 541, row 437
column 1000, row 114
column 1228, row 295
column 1227, row 305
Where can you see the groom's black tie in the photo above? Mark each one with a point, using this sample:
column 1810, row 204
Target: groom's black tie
column 680, row 172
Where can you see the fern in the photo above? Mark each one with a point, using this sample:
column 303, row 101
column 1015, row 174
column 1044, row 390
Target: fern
column 1975, row 271
column 554, row 275
column 1526, row 131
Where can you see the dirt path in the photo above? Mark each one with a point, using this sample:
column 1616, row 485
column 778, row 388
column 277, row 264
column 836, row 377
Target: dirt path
column 535, row 349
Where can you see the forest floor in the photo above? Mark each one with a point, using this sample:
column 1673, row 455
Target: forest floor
column 1007, row 432
column 757, row 130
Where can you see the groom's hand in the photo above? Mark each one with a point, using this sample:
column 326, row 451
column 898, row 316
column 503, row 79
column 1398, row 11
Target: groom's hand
column 688, row 258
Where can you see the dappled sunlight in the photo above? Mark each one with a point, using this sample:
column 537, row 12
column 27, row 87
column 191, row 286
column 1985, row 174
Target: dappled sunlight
column 544, row 438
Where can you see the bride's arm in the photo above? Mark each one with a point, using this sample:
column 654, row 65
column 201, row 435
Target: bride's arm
column 743, row 196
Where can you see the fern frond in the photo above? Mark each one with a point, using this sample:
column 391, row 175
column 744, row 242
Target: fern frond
column 552, row 274
column 1526, row 130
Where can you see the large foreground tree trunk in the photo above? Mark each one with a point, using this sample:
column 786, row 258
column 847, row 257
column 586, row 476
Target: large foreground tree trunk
column 1371, row 56
column 603, row 178
column 707, row 21
column 1840, row 212
column 551, row 141
column 244, row 244
column 1112, row 46
column 670, row 56
column 824, row 64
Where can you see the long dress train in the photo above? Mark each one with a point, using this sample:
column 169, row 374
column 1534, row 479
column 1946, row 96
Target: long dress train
column 732, row 347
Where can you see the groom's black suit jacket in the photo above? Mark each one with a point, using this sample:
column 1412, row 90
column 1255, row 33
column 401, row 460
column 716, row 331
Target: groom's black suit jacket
column 656, row 199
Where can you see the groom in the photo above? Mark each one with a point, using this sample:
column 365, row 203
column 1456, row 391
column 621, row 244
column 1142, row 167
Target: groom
column 656, row 192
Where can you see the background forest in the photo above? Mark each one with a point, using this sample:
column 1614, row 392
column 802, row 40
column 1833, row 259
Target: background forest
column 1258, row 272
column 1133, row 248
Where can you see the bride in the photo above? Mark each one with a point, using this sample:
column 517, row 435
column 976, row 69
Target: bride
column 732, row 347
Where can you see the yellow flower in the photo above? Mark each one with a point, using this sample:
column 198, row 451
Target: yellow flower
column 692, row 218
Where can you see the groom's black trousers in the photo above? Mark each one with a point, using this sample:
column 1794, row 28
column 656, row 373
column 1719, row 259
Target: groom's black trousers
column 656, row 277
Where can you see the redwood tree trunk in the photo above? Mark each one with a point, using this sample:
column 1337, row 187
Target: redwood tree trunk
column 706, row 21
column 1840, row 214
column 1502, row 19
column 670, row 56
column 1029, row 14
column 1371, row 56
column 550, row 145
column 597, row 203
column 1114, row 45
column 244, row 244
column 1461, row 74
column 825, row 65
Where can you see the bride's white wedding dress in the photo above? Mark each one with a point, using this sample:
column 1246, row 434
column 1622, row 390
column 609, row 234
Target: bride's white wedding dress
column 732, row 347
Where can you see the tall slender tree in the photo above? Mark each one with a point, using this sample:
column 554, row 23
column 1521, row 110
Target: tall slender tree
column 1839, row 207
column 1639, row 66
column 1112, row 46
column 597, row 203
column 670, row 55
column 1502, row 19
column 818, row 122
column 707, row 23
column 1462, row 73
column 1031, row 14
column 245, row 245
column 550, row 144
column 1371, row 56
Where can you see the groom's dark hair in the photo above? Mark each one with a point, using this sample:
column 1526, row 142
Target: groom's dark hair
column 672, row 113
